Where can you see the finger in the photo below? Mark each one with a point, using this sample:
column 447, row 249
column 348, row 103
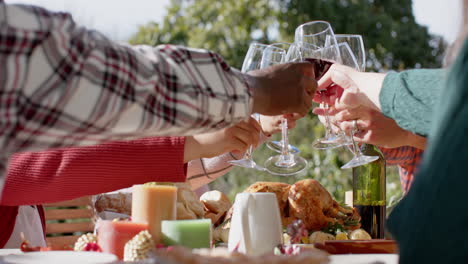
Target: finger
column 343, row 80
column 360, row 135
column 291, row 124
column 352, row 114
column 323, row 111
column 251, row 126
column 348, row 126
column 293, row 116
column 255, row 124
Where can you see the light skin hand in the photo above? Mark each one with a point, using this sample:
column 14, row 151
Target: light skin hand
column 272, row 124
column 358, row 88
column 236, row 138
column 376, row 129
column 283, row 88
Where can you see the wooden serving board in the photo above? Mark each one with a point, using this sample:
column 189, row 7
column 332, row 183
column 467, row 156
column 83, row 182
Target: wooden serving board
column 374, row 246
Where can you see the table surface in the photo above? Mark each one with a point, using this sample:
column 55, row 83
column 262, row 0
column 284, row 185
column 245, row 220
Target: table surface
column 334, row 259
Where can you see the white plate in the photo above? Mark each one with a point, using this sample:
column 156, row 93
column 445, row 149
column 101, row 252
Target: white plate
column 63, row 257
column 364, row 259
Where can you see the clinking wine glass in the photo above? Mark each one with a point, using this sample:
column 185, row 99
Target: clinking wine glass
column 273, row 56
column 322, row 58
column 252, row 61
column 359, row 159
column 286, row 163
column 316, row 35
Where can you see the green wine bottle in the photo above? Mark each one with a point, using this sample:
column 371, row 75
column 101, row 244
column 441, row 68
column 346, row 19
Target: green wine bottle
column 369, row 192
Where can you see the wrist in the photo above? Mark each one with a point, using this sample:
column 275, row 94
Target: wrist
column 416, row 141
column 192, row 149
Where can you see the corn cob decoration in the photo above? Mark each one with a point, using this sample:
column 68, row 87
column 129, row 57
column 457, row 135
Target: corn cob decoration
column 83, row 240
column 139, row 247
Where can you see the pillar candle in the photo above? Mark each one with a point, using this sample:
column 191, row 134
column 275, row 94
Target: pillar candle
column 113, row 235
column 188, row 233
column 153, row 203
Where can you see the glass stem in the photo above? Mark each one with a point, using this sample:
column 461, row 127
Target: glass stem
column 286, row 158
column 327, row 121
column 357, row 150
column 248, row 153
column 284, row 137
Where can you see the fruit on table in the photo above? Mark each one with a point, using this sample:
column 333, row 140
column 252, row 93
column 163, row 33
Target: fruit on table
column 320, row 237
column 341, row 236
column 359, row 234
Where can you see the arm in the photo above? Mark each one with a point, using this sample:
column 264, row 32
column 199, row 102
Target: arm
column 205, row 170
column 408, row 97
column 65, row 85
column 64, row 174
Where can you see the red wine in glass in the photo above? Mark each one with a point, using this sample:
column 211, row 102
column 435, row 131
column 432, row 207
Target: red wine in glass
column 320, row 66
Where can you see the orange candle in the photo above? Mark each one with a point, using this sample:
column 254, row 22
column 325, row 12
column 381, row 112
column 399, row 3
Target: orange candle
column 153, row 203
column 113, row 235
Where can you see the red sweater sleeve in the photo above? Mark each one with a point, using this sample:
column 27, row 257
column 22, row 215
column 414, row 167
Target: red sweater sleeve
column 64, row 174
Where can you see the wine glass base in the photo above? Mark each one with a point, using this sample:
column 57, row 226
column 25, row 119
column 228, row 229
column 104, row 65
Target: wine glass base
column 321, row 145
column 359, row 161
column 246, row 163
column 278, row 145
column 276, row 165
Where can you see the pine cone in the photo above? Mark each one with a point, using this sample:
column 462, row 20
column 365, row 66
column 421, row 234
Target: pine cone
column 83, row 240
column 139, row 247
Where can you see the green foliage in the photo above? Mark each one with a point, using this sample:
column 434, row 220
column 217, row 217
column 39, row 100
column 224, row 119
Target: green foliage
column 392, row 37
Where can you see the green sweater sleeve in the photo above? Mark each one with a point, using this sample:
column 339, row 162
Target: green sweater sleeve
column 409, row 97
column 430, row 223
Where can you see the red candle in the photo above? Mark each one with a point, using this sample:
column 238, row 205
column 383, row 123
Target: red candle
column 113, row 235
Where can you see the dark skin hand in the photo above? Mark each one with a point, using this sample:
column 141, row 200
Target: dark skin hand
column 283, row 89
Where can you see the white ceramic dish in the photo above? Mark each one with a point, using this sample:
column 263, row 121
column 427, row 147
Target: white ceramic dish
column 364, row 259
column 63, row 257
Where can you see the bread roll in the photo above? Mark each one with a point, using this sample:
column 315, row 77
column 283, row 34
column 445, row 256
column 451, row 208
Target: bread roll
column 189, row 199
column 216, row 202
column 183, row 213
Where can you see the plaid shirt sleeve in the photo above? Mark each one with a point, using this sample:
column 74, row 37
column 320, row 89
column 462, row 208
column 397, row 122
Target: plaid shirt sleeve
column 407, row 159
column 64, row 85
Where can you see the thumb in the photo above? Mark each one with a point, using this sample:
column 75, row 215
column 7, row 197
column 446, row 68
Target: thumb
column 342, row 79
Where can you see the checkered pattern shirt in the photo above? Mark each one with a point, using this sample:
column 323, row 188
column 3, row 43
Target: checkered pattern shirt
column 63, row 85
column 407, row 159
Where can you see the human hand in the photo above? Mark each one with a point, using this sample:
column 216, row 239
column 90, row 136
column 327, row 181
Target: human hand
column 283, row 88
column 373, row 127
column 352, row 88
column 272, row 124
column 236, row 138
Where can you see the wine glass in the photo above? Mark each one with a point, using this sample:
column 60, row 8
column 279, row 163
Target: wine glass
column 252, row 61
column 322, row 60
column 312, row 36
column 356, row 44
column 359, row 159
column 273, row 55
column 286, row 163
